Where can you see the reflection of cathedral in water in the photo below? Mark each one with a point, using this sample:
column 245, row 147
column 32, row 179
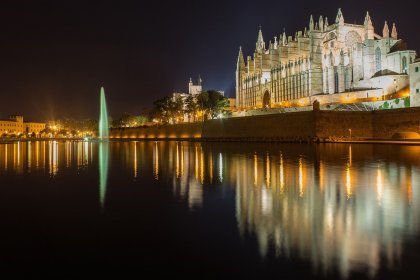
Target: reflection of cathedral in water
column 334, row 209
column 334, row 205
column 349, row 216
column 190, row 169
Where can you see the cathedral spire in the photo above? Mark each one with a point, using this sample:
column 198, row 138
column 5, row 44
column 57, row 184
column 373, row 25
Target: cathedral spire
column 394, row 34
column 368, row 20
column 241, row 61
column 321, row 24
column 369, row 30
column 385, row 31
column 340, row 18
column 284, row 38
column 311, row 23
column 326, row 24
column 260, row 46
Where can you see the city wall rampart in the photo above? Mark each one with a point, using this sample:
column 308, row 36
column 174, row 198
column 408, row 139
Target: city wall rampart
column 288, row 127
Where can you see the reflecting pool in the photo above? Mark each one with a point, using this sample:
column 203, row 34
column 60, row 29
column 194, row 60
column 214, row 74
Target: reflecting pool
column 72, row 208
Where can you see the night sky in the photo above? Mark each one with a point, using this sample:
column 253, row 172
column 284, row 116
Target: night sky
column 55, row 55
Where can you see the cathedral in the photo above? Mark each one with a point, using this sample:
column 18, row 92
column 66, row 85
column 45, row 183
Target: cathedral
column 324, row 59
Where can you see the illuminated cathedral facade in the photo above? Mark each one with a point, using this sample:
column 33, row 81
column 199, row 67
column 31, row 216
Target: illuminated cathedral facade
column 324, row 59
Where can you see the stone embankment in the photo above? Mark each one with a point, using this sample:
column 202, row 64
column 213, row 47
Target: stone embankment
column 308, row 126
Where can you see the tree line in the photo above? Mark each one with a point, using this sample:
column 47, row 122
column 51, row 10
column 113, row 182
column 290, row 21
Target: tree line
column 199, row 107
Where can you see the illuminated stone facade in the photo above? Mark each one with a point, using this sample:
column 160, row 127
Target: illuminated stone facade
column 323, row 59
column 16, row 126
column 415, row 84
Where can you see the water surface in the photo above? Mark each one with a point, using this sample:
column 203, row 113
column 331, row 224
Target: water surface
column 209, row 209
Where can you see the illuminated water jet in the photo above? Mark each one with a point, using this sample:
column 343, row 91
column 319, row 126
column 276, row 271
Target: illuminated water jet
column 103, row 148
column 103, row 118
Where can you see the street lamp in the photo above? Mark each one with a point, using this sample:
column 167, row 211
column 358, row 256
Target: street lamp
column 395, row 84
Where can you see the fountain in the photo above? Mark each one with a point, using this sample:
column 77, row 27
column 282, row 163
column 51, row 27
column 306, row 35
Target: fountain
column 103, row 149
column 103, row 118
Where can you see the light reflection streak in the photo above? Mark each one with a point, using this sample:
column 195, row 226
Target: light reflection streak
column 103, row 171
column 301, row 187
column 255, row 169
column 379, row 186
column 29, row 145
column 156, row 161
column 267, row 171
column 220, row 167
column 135, row 159
column 281, row 174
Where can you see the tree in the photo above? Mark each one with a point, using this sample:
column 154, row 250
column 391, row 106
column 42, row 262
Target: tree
column 191, row 107
column 213, row 103
column 169, row 109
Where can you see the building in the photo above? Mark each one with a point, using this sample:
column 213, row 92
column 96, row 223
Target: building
column 324, row 59
column 16, row 126
column 414, row 72
column 195, row 89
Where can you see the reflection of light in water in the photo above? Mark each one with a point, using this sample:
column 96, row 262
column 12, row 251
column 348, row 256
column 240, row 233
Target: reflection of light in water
column 29, row 144
column 348, row 182
column 85, row 152
column 18, row 153
column 5, row 156
column 103, row 171
column 14, row 156
column 211, row 167
column 267, row 171
column 255, row 169
column 135, row 159
column 182, row 160
column 52, row 157
column 301, row 189
column 177, row 161
column 321, row 176
column 379, row 185
column 281, row 174
column 196, row 163
column 68, row 153
column 37, row 154
column 348, row 175
column 156, row 161
column 201, row 166
column 220, row 167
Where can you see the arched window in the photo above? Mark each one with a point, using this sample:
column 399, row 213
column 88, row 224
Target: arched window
column 404, row 64
column 336, row 81
column 378, row 58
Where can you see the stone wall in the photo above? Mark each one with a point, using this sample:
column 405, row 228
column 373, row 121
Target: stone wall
column 388, row 122
column 336, row 125
column 295, row 127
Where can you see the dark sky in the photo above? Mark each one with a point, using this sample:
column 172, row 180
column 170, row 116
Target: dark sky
column 55, row 55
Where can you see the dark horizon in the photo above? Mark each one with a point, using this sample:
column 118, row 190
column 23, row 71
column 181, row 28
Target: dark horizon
column 56, row 56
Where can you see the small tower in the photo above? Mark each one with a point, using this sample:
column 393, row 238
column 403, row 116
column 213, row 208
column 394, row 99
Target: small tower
column 311, row 24
column 385, row 32
column 340, row 18
column 190, row 85
column 260, row 45
column 394, row 34
column 369, row 30
column 321, row 24
column 326, row 24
